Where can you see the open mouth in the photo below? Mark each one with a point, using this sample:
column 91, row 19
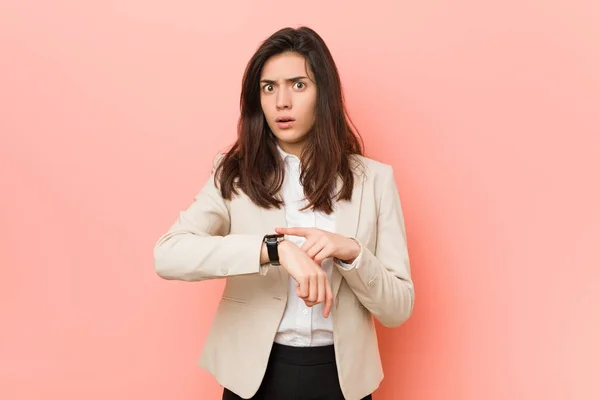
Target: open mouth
column 284, row 119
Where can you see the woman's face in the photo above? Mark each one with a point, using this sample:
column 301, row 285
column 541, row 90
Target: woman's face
column 288, row 99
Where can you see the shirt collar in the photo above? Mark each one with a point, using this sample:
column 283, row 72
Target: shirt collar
column 287, row 156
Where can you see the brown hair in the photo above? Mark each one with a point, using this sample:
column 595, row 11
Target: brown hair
column 254, row 165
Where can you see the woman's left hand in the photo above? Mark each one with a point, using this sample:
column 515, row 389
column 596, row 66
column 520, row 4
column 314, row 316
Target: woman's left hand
column 321, row 244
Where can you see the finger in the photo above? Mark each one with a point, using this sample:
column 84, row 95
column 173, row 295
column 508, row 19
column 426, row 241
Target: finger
column 313, row 288
column 325, row 252
column 322, row 287
column 293, row 231
column 324, row 242
column 328, row 300
column 309, row 303
column 303, row 287
column 308, row 243
column 314, row 250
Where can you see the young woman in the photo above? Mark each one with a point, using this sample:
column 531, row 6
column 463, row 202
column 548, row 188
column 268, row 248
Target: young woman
column 307, row 232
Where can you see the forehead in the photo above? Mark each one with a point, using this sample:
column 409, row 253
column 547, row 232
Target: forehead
column 285, row 65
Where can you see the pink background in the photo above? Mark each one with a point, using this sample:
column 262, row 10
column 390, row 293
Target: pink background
column 111, row 111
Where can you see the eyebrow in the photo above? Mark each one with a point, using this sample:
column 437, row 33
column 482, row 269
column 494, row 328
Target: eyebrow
column 297, row 78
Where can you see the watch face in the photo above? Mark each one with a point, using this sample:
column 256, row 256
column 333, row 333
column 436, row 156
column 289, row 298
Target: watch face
column 273, row 238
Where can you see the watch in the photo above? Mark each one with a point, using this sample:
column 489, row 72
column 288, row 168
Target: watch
column 272, row 242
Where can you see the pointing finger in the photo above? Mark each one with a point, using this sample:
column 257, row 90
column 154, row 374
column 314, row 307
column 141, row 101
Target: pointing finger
column 293, row 231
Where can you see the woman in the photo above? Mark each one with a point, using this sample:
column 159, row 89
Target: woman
column 308, row 233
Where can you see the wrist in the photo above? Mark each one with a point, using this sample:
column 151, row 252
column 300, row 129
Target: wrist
column 264, row 254
column 284, row 248
column 288, row 251
column 271, row 247
column 354, row 252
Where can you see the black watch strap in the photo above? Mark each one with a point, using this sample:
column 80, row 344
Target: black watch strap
column 272, row 242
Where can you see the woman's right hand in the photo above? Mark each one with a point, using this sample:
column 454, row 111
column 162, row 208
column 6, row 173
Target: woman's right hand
column 313, row 285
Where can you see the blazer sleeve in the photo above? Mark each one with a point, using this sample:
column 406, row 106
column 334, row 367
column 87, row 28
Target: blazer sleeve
column 381, row 280
column 199, row 246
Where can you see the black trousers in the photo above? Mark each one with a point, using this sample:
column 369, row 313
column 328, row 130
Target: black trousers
column 298, row 373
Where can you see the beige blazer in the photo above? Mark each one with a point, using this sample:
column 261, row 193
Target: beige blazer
column 214, row 238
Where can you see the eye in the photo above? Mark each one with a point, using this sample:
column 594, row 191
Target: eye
column 299, row 85
column 268, row 88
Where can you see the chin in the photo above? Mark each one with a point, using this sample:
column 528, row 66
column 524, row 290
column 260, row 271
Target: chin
column 290, row 137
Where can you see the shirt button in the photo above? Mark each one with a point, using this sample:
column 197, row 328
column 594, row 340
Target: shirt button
column 305, row 311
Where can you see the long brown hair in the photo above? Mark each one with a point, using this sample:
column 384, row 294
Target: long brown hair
column 254, row 165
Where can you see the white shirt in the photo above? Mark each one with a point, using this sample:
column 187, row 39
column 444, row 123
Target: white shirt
column 303, row 326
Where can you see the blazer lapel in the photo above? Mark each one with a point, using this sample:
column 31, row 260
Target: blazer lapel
column 346, row 221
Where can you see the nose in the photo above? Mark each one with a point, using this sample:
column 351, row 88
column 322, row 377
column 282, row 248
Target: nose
column 284, row 99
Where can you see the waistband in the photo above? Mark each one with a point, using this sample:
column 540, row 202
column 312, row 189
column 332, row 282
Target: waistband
column 303, row 356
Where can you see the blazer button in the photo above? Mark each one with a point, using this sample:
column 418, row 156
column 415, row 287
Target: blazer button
column 225, row 272
column 371, row 282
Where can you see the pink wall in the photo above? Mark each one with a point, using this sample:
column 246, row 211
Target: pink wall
column 489, row 111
